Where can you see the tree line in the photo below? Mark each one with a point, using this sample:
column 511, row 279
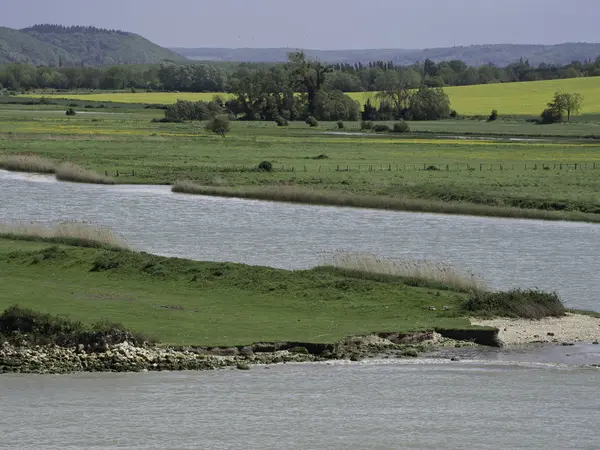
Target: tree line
column 222, row 77
column 299, row 90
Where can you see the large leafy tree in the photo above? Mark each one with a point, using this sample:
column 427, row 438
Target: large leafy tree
column 307, row 76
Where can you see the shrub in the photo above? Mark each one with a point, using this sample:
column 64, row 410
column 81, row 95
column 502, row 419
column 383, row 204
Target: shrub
column 551, row 115
column 528, row 304
column 453, row 114
column 242, row 366
column 340, row 125
column 311, row 121
column 281, row 121
column 366, row 125
column 71, row 112
column 493, row 116
column 265, row 166
column 219, row 124
column 401, row 127
column 379, row 128
column 133, row 90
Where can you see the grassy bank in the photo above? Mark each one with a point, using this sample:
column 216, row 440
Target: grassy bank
column 184, row 302
column 203, row 303
column 298, row 194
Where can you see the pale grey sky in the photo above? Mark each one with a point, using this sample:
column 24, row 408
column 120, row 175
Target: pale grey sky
column 324, row 24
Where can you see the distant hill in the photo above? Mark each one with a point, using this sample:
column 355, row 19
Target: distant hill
column 499, row 54
column 49, row 44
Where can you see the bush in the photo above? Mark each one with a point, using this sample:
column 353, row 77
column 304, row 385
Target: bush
column 71, row 112
column 379, row 128
column 340, row 125
column 242, row 366
column 401, row 127
column 551, row 115
column 20, row 325
column 527, row 304
column 133, row 90
column 493, row 116
column 366, row 125
column 453, row 114
column 311, row 121
column 281, row 121
column 265, row 166
column 219, row 124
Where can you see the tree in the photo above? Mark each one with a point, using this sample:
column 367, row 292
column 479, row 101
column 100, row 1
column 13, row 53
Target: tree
column 565, row 102
column 309, row 76
column 429, row 104
column 396, row 90
column 219, row 124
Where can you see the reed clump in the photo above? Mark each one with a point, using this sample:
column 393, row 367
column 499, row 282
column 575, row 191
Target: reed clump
column 78, row 174
column 78, row 234
column 517, row 303
column 414, row 272
column 306, row 195
column 27, row 163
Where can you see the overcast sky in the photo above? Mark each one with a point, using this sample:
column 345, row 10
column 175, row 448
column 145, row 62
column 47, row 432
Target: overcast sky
column 324, row 24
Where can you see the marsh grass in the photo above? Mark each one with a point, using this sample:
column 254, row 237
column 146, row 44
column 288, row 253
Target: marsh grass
column 78, row 174
column 27, row 163
column 78, row 234
column 414, row 272
column 300, row 194
column 517, row 303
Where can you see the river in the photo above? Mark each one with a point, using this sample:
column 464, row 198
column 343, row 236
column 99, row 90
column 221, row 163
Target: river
column 489, row 403
column 556, row 256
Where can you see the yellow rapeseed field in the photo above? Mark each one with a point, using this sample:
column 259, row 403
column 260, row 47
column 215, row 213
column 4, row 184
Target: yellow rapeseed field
column 528, row 98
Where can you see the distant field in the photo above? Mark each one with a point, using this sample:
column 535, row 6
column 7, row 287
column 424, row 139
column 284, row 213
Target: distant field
column 527, row 98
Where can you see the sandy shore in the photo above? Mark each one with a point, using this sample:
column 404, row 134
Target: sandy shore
column 569, row 329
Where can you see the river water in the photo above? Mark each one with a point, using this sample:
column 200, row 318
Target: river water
column 535, row 398
column 489, row 403
column 556, row 256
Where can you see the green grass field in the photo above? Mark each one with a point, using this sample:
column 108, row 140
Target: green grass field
column 201, row 303
column 556, row 174
column 525, row 99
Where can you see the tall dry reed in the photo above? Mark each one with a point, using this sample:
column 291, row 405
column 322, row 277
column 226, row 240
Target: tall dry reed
column 26, row 163
column 301, row 194
column 70, row 233
column 78, row 174
column 412, row 269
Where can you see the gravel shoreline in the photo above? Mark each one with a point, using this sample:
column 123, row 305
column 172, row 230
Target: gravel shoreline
column 568, row 329
column 127, row 357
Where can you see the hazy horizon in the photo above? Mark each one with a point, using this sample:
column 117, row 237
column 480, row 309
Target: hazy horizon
column 331, row 25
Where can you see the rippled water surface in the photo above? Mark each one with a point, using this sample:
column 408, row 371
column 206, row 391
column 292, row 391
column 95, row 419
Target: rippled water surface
column 561, row 256
column 423, row 405
column 535, row 398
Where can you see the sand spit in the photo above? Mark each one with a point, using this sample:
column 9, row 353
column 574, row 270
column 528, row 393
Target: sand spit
column 568, row 329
